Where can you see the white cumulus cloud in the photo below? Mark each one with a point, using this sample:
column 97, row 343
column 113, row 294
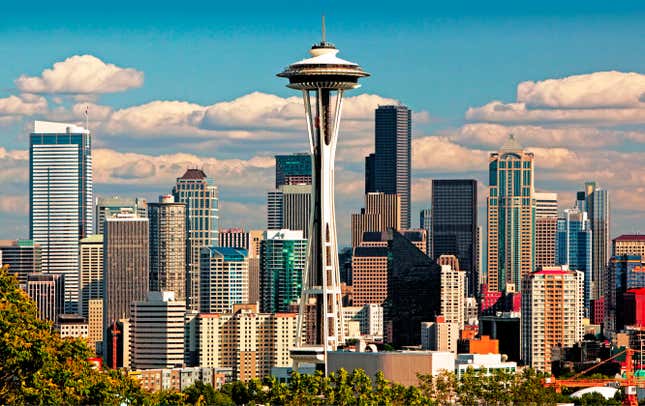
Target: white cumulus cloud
column 598, row 89
column 81, row 74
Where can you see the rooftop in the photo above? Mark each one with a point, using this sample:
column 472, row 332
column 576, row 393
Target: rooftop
column 630, row 237
column 50, row 127
column 194, row 174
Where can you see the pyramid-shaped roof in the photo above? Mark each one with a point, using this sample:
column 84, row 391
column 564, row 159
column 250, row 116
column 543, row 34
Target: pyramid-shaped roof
column 511, row 145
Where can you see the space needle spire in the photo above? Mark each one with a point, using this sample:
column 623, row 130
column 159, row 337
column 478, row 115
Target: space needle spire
column 322, row 78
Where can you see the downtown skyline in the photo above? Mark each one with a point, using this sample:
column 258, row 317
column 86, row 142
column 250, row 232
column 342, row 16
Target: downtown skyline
column 147, row 132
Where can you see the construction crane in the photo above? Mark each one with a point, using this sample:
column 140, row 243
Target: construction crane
column 629, row 381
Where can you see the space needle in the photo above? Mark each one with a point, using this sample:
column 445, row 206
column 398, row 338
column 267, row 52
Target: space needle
column 323, row 79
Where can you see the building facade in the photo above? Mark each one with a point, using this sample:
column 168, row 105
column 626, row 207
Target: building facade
column 369, row 275
column 125, row 266
column 61, row 198
column 454, row 225
column 425, row 222
column 109, row 206
column 22, row 256
column 546, row 224
column 392, row 140
column 224, row 279
column 246, row 341
column 157, row 331
column 282, row 261
column 511, row 217
column 552, row 313
column 91, row 272
column 453, row 290
column 596, row 204
column 574, row 247
column 234, row 238
column 48, row 291
column 626, row 244
column 382, row 212
column 292, row 169
column 167, row 220
column 623, row 273
column 201, row 197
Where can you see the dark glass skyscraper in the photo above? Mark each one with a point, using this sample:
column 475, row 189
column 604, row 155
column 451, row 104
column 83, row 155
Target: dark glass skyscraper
column 454, row 224
column 413, row 291
column 370, row 173
column 292, row 169
column 393, row 133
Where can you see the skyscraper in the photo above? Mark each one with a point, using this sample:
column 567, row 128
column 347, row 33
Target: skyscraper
column 413, row 291
column 381, row 212
column 292, row 169
column 552, row 312
column 511, row 216
column 546, row 219
column 393, row 134
column 425, row 222
column 282, row 262
column 108, row 206
column 596, row 202
column 201, row 197
column 157, row 331
column 574, row 247
column 168, row 246
column 454, row 225
column 60, row 210
column 23, row 258
column 289, row 207
column 91, row 272
column 224, row 279
column 125, row 266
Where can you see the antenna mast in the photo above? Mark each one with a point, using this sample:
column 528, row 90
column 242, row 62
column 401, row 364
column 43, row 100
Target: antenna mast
column 323, row 29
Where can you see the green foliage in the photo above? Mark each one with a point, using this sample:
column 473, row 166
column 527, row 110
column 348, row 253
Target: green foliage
column 595, row 399
column 40, row 367
column 205, row 394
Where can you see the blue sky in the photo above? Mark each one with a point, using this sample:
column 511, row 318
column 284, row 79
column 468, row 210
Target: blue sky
column 438, row 58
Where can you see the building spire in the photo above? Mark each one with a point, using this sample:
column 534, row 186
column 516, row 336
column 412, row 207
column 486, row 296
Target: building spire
column 323, row 30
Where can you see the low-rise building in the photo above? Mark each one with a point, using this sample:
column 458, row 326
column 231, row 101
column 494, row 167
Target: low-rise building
column 71, row 325
column 397, row 366
column 484, row 362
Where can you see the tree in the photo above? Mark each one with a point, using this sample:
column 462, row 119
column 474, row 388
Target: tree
column 40, row 367
column 204, row 394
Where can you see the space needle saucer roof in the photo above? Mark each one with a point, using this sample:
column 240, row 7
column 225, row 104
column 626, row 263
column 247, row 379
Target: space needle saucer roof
column 323, row 70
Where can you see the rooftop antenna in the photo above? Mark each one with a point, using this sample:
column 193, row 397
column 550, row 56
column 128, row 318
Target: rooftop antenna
column 323, row 29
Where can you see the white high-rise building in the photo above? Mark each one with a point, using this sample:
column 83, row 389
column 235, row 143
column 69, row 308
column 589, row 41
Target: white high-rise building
column 157, row 331
column 552, row 312
column 60, row 162
column 453, row 290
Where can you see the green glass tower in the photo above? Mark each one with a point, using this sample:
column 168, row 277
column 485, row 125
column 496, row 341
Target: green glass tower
column 283, row 254
column 511, row 217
